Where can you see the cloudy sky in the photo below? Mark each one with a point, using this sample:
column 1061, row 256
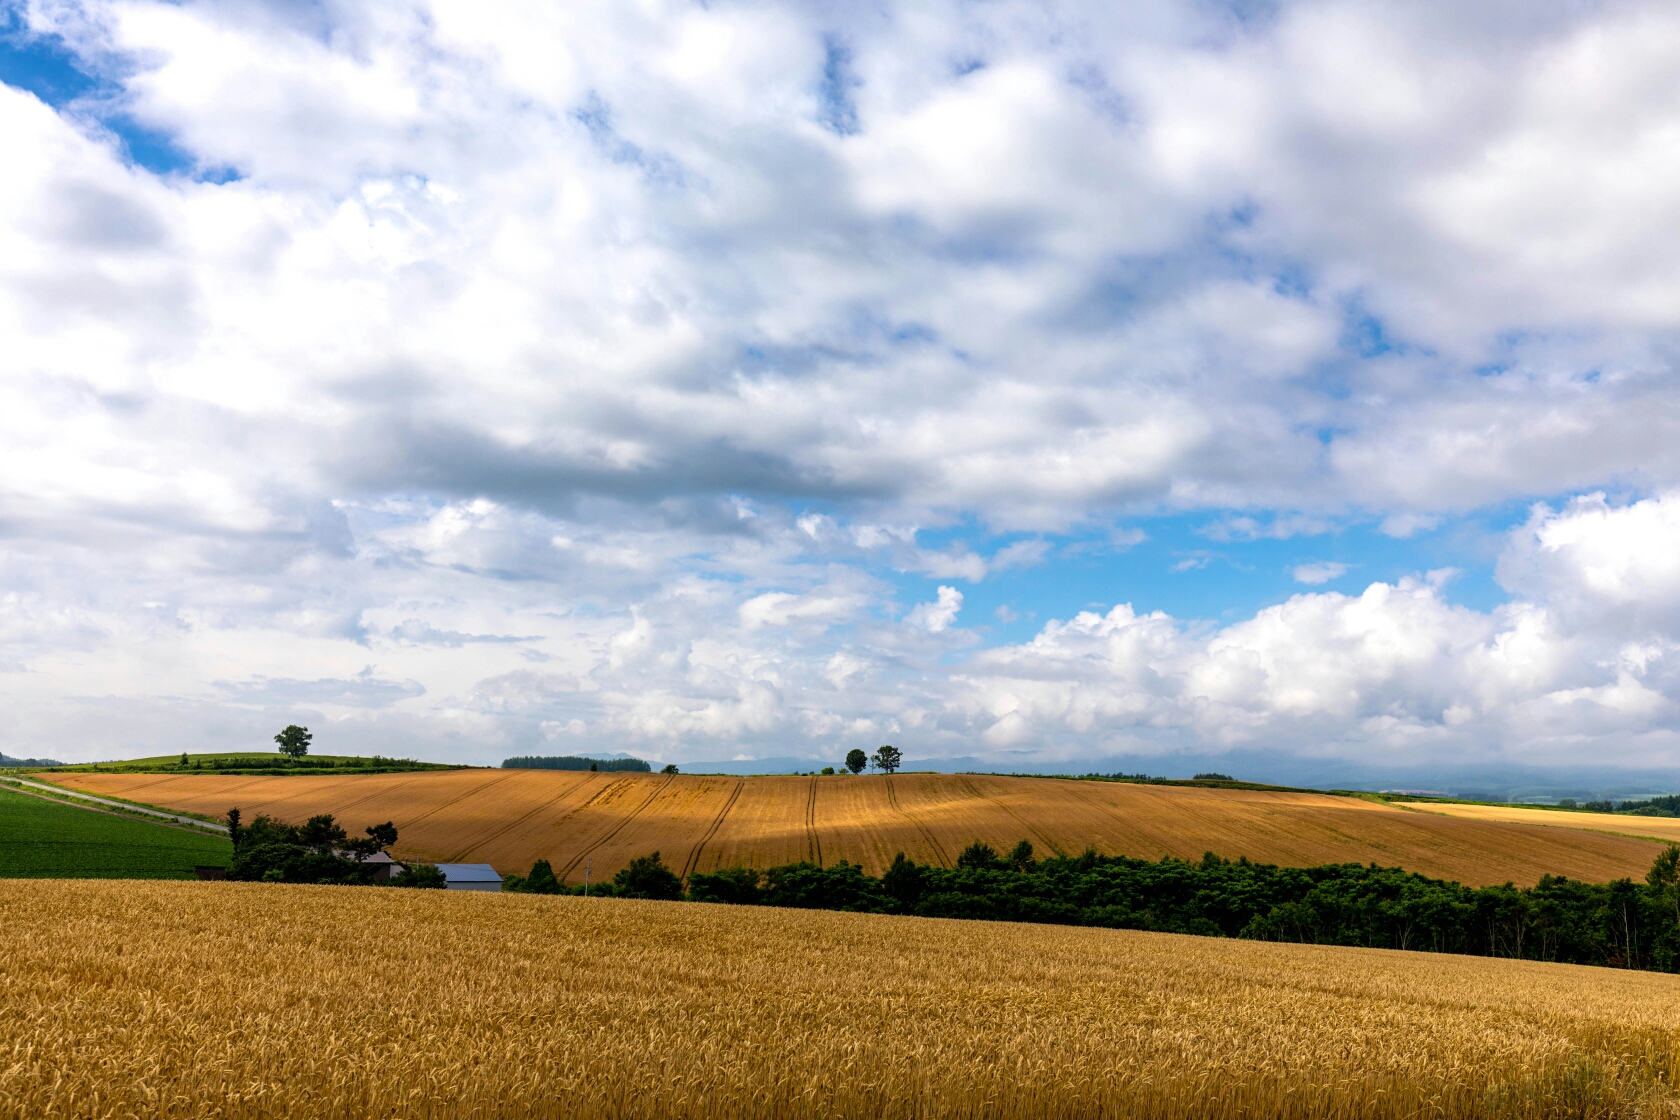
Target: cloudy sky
column 1026, row 383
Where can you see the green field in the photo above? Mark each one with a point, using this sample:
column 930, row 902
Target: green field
column 41, row 839
column 253, row 762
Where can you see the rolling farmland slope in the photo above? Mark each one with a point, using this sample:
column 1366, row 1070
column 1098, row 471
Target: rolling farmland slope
column 1621, row 824
column 363, row 1002
column 574, row 819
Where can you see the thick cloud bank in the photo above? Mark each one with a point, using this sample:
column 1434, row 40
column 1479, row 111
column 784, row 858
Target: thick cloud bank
column 477, row 378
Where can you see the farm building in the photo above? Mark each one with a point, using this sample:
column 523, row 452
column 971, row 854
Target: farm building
column 383, row 866
column 471, row 876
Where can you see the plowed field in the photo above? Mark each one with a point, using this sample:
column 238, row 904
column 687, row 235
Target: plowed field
column 510, row 818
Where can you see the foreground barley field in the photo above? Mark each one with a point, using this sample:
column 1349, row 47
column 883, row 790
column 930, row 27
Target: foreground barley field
column 182, row 1000
column 511, row 818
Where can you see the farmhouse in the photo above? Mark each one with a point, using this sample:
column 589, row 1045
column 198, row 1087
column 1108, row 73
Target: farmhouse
column 471, row 876
column 382, row 865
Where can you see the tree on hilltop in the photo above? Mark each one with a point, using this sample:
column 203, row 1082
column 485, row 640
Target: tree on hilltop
column 856, row 760
column 294, row 741
column 887, row 758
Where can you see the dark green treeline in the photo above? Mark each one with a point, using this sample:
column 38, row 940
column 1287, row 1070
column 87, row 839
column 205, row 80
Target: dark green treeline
column 1623, row 924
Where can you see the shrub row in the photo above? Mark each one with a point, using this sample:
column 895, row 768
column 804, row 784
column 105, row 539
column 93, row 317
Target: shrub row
column 1622, row 924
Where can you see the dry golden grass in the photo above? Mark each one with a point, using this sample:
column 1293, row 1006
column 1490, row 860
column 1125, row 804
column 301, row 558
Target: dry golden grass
column 180, row 1000
column 511, row 818
column 1661, row 828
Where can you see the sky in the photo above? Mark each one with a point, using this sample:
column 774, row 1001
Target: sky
column 1030, row 386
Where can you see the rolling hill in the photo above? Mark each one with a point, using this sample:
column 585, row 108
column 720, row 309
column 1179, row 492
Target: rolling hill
column 579, row 820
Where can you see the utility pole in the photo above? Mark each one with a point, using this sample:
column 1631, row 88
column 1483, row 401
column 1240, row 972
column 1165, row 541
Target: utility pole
column 586, row 864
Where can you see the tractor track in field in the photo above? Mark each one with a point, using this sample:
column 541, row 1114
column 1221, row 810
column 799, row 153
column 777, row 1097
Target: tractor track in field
column 365, row 797
column 75, row 790
column 692, row 864
column 813, row 842
column 933, row 841
column 447, row 804
column 617, row 828
column 509, row 827
column 1020, row 820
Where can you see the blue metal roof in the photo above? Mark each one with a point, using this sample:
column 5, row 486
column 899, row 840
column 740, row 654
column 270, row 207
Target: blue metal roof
column 469, row 873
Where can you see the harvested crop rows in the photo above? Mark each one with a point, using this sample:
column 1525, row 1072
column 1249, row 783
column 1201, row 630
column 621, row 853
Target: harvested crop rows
column 189, row 1000
column 582, row 821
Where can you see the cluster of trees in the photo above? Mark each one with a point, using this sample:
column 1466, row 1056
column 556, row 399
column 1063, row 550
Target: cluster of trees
column 1653, row 807
column 293, row 743
column 279, row 765
column 319, row 851
column 645, row 877
column 886, row 759
column 35, row 763
column 572, row 762
column 1623, row 924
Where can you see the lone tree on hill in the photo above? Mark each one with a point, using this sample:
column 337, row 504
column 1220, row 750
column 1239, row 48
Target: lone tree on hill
column 887, row 758
column 294, row 741
column 856, row 760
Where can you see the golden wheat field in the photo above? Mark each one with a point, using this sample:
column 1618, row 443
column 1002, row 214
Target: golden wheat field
column 1661, row 828
column 511, row 818
column 179, row 1000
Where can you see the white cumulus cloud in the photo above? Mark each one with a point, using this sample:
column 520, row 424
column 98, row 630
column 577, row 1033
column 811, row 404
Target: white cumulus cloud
column 1320, row 572
column 471, row 376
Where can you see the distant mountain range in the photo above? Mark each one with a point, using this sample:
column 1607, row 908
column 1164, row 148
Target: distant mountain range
column 1489, row 781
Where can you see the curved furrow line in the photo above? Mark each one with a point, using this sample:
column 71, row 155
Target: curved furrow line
column 933, row 842
column 510, row 826
column 616, row 829
column 128, row 795
column 446, row 804
column 368, row 797
column 247, row 783
column 144, row 785
column 813, row 842
column 692, row 864
column 611, row 784
column 1020, row 820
